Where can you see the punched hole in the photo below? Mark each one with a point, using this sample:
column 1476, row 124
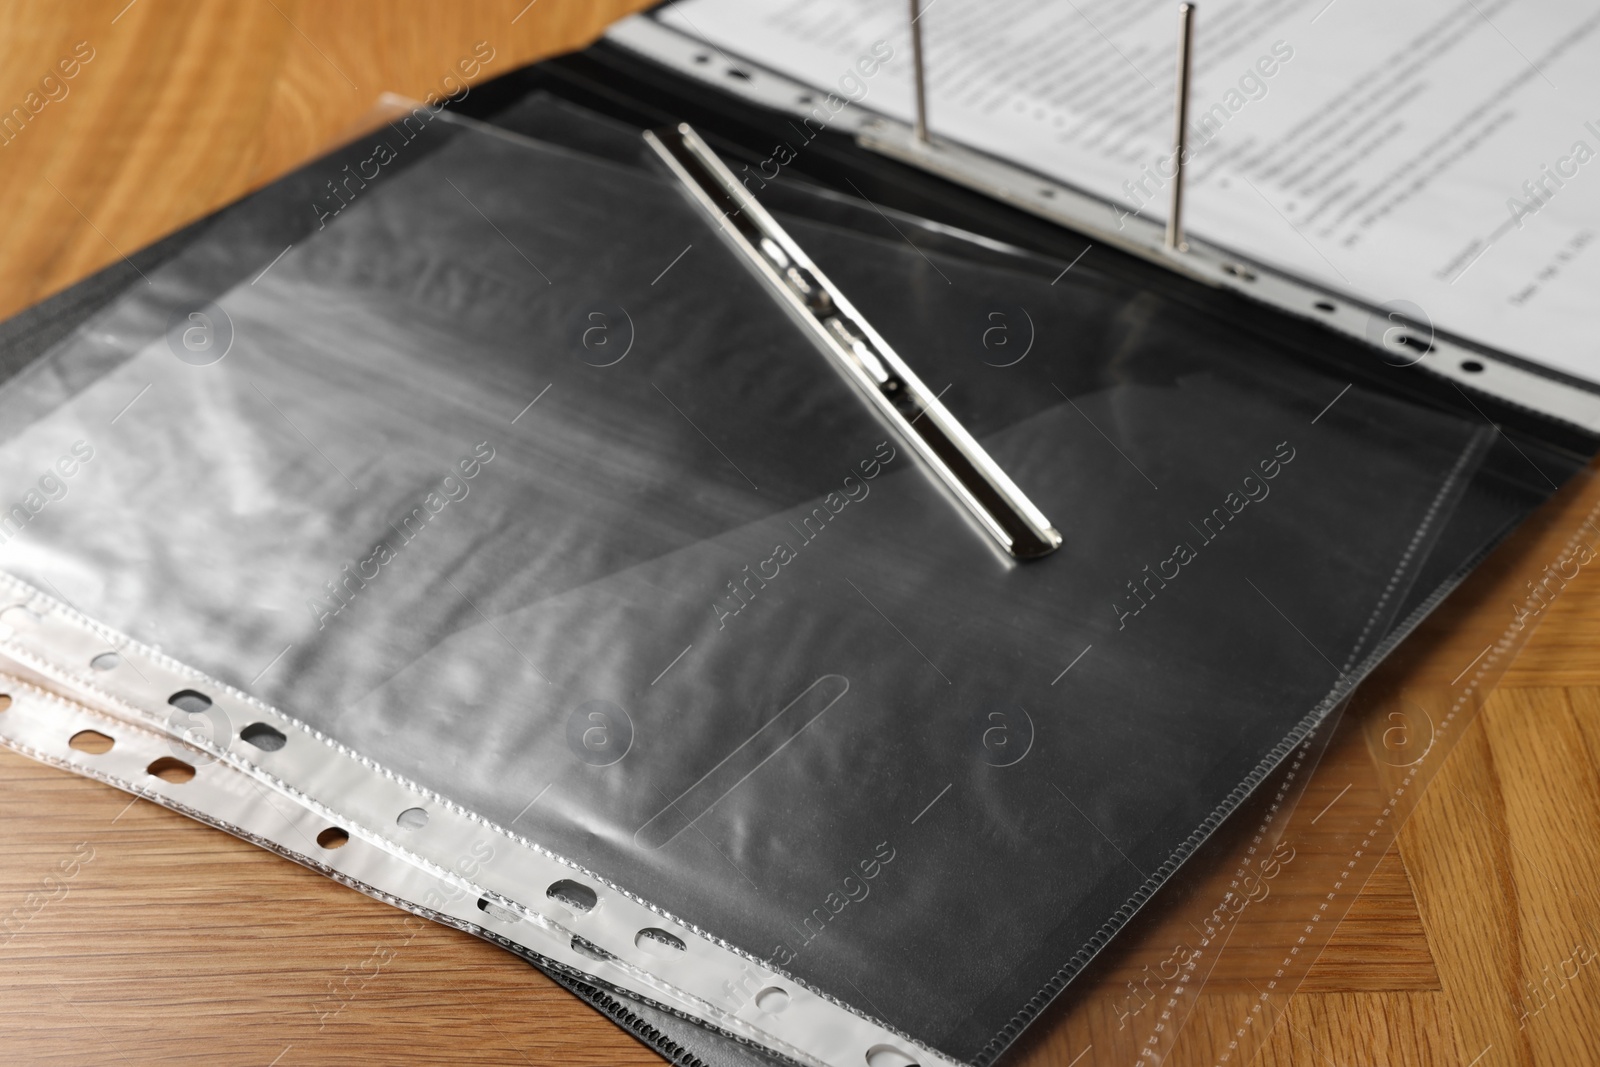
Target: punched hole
column 574, row 895
column 20, row 615
column 1472, row 366
column 1242, row 273
column 171, row 769
column 590, row 949
column 191, row 700
column 264, row 737
column 659, row 943
column 412, row 819
column 91, row 741
column 702, row 58
column 735, row 72
column 1411, row 340
column 333, row 837
column 106, row 661
column 1323, row 305
column 772, row 1000
column 888, row 1056
column 495, row 911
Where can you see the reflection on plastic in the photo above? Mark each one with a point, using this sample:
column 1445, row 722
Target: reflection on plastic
column 743, row 761
column 521, row 641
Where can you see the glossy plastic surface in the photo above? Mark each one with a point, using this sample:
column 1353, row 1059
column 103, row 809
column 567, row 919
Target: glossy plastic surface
column 510, row 478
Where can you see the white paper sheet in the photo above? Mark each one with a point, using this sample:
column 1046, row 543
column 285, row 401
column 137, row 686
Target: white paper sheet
column 1438, row 152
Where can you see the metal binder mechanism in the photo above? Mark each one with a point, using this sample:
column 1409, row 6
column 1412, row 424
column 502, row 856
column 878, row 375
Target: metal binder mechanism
column 1174, row 241
column 961, row 464
column 1470, row 366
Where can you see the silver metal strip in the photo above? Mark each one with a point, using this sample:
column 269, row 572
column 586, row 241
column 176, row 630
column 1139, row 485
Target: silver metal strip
column 65, row 649
column 1469, row 367
column 961, row 464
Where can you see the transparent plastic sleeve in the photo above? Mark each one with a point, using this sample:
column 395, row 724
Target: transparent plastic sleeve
column 496, row 468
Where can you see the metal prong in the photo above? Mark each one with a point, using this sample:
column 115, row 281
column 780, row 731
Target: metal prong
column 1180, row 136
column 921, row 86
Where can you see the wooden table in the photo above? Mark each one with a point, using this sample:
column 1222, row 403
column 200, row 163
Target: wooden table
column 178, row 944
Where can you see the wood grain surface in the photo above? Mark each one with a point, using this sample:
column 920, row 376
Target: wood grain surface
column 1470, row 932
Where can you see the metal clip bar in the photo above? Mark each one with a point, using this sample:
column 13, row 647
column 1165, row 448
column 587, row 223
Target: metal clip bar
column 963, row 467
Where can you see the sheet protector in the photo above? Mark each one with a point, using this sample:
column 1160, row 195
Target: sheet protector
column 123, row 754
column 511, row 482
column 1436, row 159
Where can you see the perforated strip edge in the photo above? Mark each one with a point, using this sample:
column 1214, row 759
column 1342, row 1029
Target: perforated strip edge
column 41, row 725
column 58, row 643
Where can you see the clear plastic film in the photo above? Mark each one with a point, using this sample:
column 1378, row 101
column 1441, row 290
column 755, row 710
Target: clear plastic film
column 1239, row 929
column 502, row 473
column 45, row 727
